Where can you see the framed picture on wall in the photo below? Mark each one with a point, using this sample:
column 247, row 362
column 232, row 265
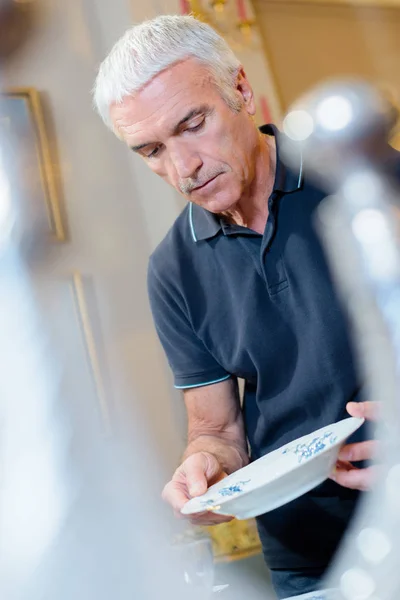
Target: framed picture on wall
column 28, row 162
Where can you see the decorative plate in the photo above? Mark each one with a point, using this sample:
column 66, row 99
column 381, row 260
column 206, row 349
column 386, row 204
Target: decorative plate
column 277, row 477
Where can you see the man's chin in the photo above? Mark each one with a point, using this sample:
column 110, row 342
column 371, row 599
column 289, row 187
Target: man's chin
column 219, row 198
column 215, row 203
column 218, row 205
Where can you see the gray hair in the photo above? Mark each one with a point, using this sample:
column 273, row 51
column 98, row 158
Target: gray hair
column 152, row 46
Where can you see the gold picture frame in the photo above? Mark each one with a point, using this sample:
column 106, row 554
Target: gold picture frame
column 22, row 118
column 78, row 286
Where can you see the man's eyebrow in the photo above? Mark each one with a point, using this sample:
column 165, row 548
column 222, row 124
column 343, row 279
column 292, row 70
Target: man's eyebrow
column 140, row 146
column 192, row 113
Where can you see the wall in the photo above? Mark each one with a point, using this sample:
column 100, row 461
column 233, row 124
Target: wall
column 307, row 42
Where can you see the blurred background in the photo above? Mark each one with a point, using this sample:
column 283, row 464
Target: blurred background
column 92, row 213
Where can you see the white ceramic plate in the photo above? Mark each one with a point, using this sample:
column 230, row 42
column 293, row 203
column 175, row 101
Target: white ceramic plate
column 278, row 477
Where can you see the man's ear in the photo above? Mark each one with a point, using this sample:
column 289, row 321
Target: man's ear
column 246, row 91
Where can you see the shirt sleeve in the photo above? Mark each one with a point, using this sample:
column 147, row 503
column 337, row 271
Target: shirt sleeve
column 190, row 361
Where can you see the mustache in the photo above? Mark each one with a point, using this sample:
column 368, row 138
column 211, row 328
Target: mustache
column 188, row 185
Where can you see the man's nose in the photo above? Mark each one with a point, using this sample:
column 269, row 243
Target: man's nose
column 185, row 161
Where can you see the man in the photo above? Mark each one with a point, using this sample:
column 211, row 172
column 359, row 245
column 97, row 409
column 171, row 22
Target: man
column 239, row 287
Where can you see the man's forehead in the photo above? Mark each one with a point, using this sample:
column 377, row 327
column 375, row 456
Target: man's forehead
column 189, row 69
column 185, row 78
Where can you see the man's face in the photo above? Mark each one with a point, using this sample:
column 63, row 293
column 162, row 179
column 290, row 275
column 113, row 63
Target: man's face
column 187, row 134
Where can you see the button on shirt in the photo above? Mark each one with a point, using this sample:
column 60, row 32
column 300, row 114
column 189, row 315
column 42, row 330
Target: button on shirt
column 229, row 302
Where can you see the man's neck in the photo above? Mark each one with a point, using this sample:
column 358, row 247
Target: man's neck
column 252, row 209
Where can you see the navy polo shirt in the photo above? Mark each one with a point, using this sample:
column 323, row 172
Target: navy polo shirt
column 229, row 302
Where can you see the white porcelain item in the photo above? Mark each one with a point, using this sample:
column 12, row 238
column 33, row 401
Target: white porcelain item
column 278, row 477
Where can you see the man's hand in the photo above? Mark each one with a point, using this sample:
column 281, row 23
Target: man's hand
column 345, row 473
column 191, row 479
column 216, row 446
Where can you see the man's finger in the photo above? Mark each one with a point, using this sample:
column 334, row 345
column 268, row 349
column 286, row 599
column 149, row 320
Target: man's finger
column 355, row 479
column 175, row 495
column 364, row 410
column 196, row 479
column 199, row 470
column 359, row 451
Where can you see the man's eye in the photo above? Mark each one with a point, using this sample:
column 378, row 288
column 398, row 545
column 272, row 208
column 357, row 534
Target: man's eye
column 154, row 152
column 196, row 127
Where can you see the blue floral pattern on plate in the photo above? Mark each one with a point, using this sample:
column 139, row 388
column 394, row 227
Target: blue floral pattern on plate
column 317, row 444
column 229, row 490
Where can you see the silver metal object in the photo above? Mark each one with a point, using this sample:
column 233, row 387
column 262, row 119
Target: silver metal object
column 342, row 129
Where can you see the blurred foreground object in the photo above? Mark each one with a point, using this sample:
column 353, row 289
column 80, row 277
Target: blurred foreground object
column 343, row 130
column 79, row 515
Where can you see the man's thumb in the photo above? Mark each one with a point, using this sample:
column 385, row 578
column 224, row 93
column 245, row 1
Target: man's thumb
column 200, row 469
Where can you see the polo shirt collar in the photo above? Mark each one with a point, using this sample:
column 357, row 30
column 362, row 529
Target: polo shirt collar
column 204, row 224
column 286, row 180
